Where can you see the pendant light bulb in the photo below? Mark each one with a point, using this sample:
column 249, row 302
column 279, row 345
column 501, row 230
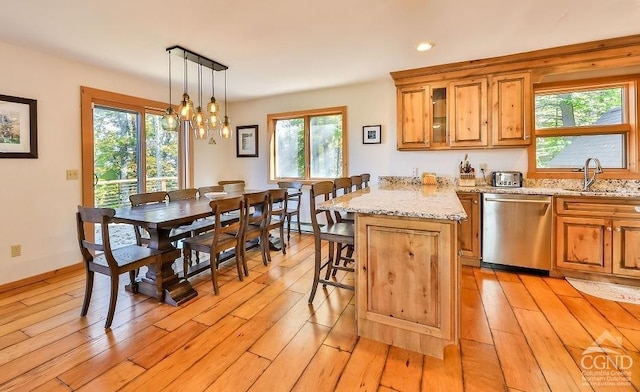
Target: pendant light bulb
column 213, row 110
column 186, row 106
column 225, row 131
column 170, row 121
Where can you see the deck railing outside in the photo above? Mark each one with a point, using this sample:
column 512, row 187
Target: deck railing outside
column 115, row 193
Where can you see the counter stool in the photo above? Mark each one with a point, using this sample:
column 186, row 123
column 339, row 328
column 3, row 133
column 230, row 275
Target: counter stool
column 332, row 232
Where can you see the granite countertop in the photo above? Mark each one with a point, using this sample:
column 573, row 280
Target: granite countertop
column 624, row 193
column 416, row 201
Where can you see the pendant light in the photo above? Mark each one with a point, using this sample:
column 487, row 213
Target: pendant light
column 213, row 109
column 170, row 120
column 225, row 131
column 186, row 107
column 199, row 120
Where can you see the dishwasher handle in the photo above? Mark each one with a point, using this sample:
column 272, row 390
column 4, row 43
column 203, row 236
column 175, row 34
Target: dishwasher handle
column 518, row 200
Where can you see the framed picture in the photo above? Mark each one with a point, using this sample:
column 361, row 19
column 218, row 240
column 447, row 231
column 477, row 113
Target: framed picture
column 247, row 141
column 18, row 127
column 371, row 134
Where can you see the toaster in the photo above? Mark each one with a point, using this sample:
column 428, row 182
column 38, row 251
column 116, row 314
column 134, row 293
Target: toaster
column 506, row 179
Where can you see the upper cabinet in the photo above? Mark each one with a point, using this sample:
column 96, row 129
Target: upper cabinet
column 511, row 109
column 455, row 114
column 422, row 118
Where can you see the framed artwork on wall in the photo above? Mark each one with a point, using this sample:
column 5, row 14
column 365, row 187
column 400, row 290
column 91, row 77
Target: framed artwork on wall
column 246, row 141
column 18, row 127
column 372, row 134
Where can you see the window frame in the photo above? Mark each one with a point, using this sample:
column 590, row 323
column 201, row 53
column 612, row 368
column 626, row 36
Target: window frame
column 306, row 115
column 630, row 109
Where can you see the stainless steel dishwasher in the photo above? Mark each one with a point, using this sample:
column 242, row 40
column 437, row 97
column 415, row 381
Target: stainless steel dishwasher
column 516, row 230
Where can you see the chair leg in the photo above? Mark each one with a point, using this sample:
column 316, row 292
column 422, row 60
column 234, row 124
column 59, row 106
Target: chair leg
column 288, row 229
column 338, row 257
column 284, row 246
column 265, row 239
column 87, row 293
column 329, row 262
column 132, row 278
column 214, row 273
column 264, row 248
column 115, row 280
column 316, row 270
column 240, row 263
column 244, row 258
column 298, row 223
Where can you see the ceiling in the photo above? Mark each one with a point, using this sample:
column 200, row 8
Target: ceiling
column 283, row 46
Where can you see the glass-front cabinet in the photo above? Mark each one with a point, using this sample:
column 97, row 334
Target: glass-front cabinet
column 422, row 120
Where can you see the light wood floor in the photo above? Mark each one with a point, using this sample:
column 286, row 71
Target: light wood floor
column 519, row 333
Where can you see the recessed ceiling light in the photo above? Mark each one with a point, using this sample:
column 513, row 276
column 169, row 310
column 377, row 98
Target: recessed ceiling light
column 424, row 46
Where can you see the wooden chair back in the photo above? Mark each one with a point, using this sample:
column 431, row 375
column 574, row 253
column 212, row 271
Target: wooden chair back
column 91, row 216
column 278, row 206
column 341, row 186
column 211, row 188
column 182, row 194
column 320, row 191
column 234, row 227
column 356, row 182
column 260, row 214
column 233, row 187
column 147, row 198
column 294, row 199
column 366, row 177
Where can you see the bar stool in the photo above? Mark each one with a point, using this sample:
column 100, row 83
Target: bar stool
column 366, row 177
column 332, row 232
column 356, row 182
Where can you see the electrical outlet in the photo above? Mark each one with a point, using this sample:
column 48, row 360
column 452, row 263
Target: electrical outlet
column 16, row 250
column 414, row 172
column 72, row 174
column 483, row 166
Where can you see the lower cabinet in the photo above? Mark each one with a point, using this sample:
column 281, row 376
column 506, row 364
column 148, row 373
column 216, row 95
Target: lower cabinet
column 598, row 235
column 407, row 282
column 469, row 230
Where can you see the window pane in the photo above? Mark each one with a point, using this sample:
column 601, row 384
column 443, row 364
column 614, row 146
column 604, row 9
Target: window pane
column 161, row 156
column 573, row 151
column 115, row 156
column 289, row 144
column 326, row 146
column 579, row 108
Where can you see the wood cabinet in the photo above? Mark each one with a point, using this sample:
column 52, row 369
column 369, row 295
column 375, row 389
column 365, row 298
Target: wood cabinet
column 598, row 235
column 422, row 117
column 469, row 230
column 457, row 113
column 468, row 113
column 407, row 282
column 511, row 109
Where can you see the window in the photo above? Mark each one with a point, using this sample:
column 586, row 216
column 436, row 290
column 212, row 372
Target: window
column 308, row 145
column 578, row 121
column 125, row 149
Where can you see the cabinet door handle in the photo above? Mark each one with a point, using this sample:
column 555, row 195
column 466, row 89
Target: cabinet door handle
column 525, row 137
column 475, row 202
column 618, row 229
column 608, row 228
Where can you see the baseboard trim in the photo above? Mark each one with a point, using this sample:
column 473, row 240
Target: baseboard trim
column 40, row 277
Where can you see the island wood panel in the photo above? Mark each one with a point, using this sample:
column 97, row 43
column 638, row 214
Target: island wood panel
column 407, row 282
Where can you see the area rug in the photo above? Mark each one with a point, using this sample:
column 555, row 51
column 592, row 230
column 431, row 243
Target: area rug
column 610, row 291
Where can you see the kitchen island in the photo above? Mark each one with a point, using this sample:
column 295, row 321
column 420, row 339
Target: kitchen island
column 407, row 274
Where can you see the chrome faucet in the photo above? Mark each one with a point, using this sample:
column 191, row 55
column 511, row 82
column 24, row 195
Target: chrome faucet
column 597, row 170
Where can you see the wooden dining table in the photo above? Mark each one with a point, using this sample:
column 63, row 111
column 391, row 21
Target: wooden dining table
column 159, row 219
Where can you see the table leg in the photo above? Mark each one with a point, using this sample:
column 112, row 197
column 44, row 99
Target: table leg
column 175, row 290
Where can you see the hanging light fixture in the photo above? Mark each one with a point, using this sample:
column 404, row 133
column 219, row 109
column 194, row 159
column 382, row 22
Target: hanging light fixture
column 186, row 107
column 199, row 120
column 225, row 131
column 170, row 120
column 204, row 123
column 213, row 109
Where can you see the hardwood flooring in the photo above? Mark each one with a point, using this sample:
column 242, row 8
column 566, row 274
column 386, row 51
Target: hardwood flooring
column 518, row 333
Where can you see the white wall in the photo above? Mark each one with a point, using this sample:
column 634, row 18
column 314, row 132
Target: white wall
column 37, row 203
column 367, row 104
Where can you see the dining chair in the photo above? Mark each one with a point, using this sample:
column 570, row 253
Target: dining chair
column 256, row 218
column 356, row 182
column 182, row 194
column 99, row 257
column 140, row 199
column 234, row 187
column 294, row 190
column 332, row 232
column 223, row 237
column 278, row 215
column 366, row 177
column 342, row 186
column 209, row 189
